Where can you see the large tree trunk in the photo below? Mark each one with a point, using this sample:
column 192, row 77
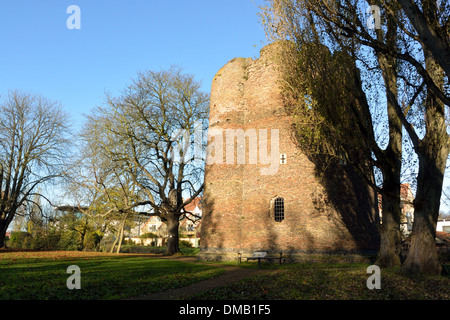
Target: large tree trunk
column 3, row 228
column 390, row 234
column 433, row 152
column 5, row 221
column 422, row 257
column 173, row 245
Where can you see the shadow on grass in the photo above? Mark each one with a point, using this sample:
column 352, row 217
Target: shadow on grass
column 102, row 277
column 331, row 282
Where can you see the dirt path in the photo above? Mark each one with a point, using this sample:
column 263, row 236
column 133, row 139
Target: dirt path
column 232, row 274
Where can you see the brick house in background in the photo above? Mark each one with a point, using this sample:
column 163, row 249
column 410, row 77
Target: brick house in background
column 153, row 225
column 407, row 207
column 190, row 225
column 189, row 229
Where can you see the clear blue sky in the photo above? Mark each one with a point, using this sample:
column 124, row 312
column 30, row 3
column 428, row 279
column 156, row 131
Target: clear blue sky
column 118, row 38
column 39, row 54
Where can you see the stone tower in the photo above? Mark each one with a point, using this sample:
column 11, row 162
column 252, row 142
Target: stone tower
column 261, row 192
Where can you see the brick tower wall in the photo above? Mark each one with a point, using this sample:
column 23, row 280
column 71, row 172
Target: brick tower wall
column 326, row 214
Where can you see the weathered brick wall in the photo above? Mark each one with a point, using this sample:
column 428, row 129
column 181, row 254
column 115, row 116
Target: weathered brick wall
column 322, row 214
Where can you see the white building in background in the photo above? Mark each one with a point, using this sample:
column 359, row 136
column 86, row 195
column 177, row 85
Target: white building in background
column 407, row 219
column 443, row 225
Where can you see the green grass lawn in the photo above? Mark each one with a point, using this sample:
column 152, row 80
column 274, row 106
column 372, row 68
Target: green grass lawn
column 43, row 275
column 320, row 281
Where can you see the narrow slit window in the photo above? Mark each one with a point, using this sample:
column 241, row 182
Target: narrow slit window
column 278, row 209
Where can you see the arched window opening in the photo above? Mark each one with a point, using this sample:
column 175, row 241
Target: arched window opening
column 278, row 209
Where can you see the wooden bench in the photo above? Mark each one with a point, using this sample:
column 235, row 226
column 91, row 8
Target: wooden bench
column 261, row 255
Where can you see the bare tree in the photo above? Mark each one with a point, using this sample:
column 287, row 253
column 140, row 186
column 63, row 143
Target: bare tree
column 418, row 47
column 343, row 120
column 431, row 30
column 146, row 133
column 99, row 189
column 34, row 145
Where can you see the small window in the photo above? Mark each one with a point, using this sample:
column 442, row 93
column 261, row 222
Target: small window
column 278, row 209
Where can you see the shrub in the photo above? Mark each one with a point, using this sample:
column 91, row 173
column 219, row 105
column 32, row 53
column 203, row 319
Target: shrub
column 53, row 239
column 142, row 249
column 92, row 241
column 44, row 241
column 68, row 241
column 186, row 244
column 148, row 235
column 20, row 240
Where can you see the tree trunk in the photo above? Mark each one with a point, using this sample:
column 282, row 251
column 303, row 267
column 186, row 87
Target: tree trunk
column 4, row 224
column 81, row 242
column 173, row 245
column 433, row 152
column 422, row 256
column 113, row 245
column 3, row 228
column 390, row 234
column 120, row 238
